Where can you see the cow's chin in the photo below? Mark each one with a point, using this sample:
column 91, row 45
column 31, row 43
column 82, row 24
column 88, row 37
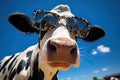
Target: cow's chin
column 60, row 66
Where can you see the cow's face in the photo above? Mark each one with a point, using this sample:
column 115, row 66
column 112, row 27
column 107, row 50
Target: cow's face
column 58, row 46
column 58, row 30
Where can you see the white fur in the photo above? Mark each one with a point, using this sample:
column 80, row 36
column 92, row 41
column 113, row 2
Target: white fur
column 62, row 10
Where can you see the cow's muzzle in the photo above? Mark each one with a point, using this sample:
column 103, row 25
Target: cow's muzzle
column 62, row 52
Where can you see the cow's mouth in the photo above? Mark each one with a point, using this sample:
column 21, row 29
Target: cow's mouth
column 59, row 64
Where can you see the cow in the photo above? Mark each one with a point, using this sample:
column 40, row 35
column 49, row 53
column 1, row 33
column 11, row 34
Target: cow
column 57, row 49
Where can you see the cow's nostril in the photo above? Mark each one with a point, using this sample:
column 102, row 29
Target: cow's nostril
column 51, row 48
column 73, row 52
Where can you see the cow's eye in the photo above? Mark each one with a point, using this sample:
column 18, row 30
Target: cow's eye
column 44, row 19
column 82, row 27
column 72, row 22
column 48, row 21
column 50, row 18
column 80, row 24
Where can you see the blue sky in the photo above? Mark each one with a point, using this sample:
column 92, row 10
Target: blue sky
column 98, row 58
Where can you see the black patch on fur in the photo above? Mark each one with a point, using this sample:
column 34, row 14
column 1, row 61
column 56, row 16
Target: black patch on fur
column 37, row 73
column 29, row 53
column 20, row 66
column 5, row 63
column 55, row 76
column 39, row 76
column 9, row 67
column 5, row 77
column 13, row 67
column 42, row 34
column 28, row 60
column 12, row 74
column 0, row 64
column 3, row 70
column 28, row 63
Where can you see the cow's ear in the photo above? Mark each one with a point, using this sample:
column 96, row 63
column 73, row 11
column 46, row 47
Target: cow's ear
column 22, row 22
column 95, row 33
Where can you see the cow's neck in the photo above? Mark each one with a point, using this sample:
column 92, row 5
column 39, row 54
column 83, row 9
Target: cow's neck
column 43, row 72
column 49, row 74
column 34, row 72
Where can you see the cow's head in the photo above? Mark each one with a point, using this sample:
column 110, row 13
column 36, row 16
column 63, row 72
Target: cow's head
column 58, row 30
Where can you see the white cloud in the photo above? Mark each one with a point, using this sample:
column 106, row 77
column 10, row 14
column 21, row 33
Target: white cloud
column 68, row 78
column 96, row 71
column 101, row 70
column 94, row 52
column 104, row 69
column 103, row 49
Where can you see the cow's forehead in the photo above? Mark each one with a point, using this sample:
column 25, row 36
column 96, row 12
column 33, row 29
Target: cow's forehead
column 62, row 10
